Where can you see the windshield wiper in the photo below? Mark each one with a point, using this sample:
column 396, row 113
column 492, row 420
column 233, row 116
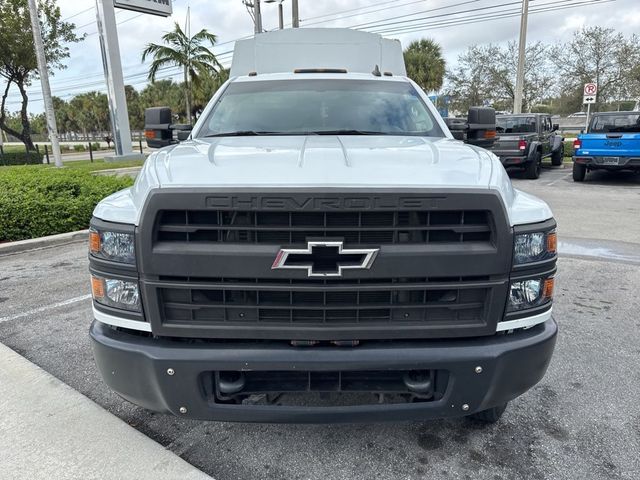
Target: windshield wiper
column 350, row 132
column 242, row 133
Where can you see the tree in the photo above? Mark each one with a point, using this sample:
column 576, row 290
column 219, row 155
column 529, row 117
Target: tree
column 425, row 64
column 89, row 113
column 163, row 93
column 136, row 112
column 18, row 64
column 190, row 53
column 488, row 73
column 203, row 92
column 603, row 56
column 470, row 83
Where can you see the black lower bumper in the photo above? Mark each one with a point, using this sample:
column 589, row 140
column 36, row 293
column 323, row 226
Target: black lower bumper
column 137, row 369
column 609, row 162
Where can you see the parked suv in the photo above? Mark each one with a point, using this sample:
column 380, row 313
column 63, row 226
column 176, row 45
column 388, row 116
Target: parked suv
column 321, row 249
column 524, row 140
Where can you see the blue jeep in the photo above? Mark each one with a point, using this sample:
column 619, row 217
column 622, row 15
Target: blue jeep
column 612, row 142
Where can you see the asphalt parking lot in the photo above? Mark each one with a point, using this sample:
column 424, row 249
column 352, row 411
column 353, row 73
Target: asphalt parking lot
column 581, row 422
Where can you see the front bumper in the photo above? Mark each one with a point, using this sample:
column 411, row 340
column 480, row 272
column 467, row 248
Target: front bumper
column 136, row 368
column 608, row 162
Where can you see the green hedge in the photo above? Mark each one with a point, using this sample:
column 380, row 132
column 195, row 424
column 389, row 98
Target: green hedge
column 20, row 158
column 37, row 201
column 568, row 148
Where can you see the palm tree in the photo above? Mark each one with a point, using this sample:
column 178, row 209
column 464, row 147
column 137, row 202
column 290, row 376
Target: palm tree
column 191, row 53
column 425, row 64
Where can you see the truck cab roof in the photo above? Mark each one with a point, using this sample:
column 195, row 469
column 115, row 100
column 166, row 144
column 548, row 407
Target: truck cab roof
column 284, row 51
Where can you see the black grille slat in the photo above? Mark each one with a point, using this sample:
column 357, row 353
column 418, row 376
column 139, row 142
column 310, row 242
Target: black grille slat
column 382, row 227
column 396, row 303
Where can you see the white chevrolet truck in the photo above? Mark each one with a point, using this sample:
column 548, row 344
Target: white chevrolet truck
column 321, row 249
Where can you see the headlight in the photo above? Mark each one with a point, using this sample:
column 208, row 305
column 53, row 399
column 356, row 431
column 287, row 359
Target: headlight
column 531, row 293
column 114, row 246
column 116, row 293
column 534, row 247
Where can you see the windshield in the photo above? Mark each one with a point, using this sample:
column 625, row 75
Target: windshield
column 302, row 107
column 622, row 123
column 516, row 124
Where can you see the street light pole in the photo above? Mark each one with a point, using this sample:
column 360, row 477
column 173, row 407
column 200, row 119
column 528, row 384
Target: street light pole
column 295, row 14
column 44, row 81
column 517, row 100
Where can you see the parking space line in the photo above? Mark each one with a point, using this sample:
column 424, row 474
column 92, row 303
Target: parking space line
column 558, row 179
column 45, row 308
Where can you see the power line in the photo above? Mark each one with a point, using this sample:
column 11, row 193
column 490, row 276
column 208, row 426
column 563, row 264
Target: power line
column 339, row 15
column 77, row 14
column 549, row 7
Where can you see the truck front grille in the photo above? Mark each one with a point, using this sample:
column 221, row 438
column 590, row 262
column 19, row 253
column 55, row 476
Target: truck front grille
column 207, row 255
column 379, row 227
column 213, row 303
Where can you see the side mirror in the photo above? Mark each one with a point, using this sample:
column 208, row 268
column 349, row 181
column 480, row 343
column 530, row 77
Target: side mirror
column 184, row 131
column 481, row 126
column 457, row 127
column 157, row 127
column 556, row 127
column 182, row 135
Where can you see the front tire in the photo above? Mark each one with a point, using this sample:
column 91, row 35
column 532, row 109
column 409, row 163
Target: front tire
column 579, row 172
column 532, row 170
column 490, row 415
column 558, row 156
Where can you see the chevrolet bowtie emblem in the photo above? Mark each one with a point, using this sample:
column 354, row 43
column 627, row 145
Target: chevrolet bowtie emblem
column 325, row 258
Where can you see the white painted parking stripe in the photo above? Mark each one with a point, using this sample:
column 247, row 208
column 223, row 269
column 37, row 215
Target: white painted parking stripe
column 558, row 179
column 45, row 308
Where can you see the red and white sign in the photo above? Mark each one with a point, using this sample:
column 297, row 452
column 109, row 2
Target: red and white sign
column 590, row 89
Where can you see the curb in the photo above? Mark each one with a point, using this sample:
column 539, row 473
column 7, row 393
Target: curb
column 49, row 430
column 43, row 242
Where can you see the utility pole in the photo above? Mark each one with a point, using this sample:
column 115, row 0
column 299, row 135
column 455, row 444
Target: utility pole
column 517, row 100
column 280, row 15
column 258, row 16
column 44, row 81
column 295, row 14
column 187, row 68
column 110, row 48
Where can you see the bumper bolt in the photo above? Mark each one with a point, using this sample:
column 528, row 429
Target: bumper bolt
column 465, row 407
column 170, row 371
column 183, row 410
column 478, row 369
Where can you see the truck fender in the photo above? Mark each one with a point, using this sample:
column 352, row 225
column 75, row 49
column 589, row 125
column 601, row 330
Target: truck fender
column 533, row 150
column 557, row 143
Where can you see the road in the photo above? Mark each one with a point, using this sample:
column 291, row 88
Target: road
column 582, row 421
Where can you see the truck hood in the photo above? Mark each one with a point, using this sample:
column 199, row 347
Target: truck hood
column 327, row 161
column 349, row 162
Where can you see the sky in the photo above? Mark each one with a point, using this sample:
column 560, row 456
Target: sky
column 454, row 24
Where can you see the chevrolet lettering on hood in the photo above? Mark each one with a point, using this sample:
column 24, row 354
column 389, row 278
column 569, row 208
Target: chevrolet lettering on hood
column 303, row 202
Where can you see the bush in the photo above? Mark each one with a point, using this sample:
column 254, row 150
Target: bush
column 568, row 148
column 95, row 146
column 40, row 201
column 79, row 148
column 21, row 158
